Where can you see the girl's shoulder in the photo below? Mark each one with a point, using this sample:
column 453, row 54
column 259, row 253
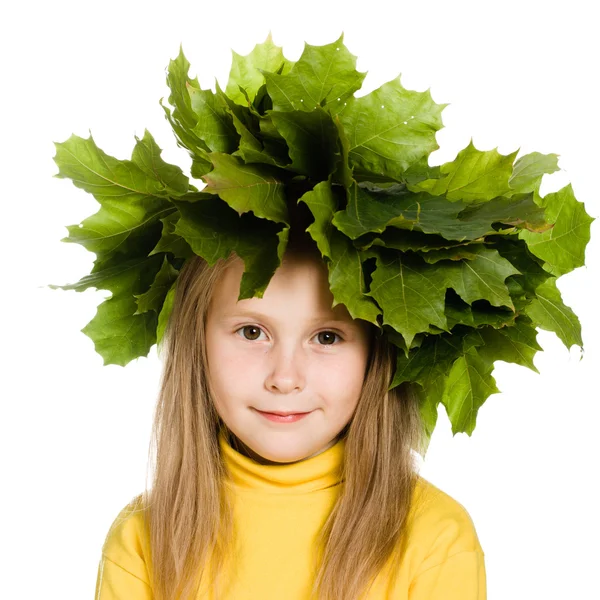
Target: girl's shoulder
column 440, row 524
column 127, row 541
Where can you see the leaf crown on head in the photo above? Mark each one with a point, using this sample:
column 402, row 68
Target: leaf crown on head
column 456, row 264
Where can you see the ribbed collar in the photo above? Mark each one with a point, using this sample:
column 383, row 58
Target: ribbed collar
column 316, row 473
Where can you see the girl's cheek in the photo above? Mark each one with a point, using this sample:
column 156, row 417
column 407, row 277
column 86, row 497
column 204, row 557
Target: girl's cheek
column 244, row 359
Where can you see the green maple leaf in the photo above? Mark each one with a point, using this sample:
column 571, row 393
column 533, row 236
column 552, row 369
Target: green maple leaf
column 563, row 246
column 246, row 73
column 410, row 241
column 272, row 141
column 251, row 149
column 133, row 194
column 118, row 331
column 516, row 344
column 469, row 384
column 344, row 262
column 181, row 117
column 214, row 125
column 532, row 273
column 410, row 292
column 322, row 203
column 520, row 210
column 448, row 369
column 398, row 341
column 347, row 279
column 480, row 278
column 529, row 169
column 118, row 334
column 343, row 173
column 243, row 114
column 454, row 253
column 153, row 298
column 372, row 209
column 323, row 76
column 171, row 242
column 474, row 176
column 433, row 357
column 247, row 187
column 108, row 178
column 426, row 368
column 117, row 277
column 549, row 312
column 430, row 395
column 391, row 130
column 478, row 314
column 312, row 141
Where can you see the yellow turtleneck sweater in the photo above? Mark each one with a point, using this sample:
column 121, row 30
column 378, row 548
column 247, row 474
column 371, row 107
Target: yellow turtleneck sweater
column 278, row 511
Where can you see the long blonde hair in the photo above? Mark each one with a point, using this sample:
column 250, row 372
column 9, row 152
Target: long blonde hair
column 187, row 513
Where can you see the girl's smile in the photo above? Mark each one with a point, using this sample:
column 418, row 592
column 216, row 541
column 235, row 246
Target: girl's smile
column 283, row 417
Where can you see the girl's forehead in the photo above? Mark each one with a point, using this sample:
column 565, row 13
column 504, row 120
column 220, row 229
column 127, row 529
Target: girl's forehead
column 300, row 284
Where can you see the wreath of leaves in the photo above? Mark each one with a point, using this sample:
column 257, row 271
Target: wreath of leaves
column 457, row 263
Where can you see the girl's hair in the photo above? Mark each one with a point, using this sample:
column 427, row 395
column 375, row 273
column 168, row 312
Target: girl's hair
column 187, row 512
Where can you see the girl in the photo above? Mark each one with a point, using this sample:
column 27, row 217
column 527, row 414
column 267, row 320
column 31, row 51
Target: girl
column 284, row 466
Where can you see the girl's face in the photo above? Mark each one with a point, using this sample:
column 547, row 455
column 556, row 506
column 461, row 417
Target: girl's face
column 288, row 351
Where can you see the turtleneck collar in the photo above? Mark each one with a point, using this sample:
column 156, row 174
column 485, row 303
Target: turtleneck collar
column 316, row 473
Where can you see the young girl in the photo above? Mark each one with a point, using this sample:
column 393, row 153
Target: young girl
column 284, row 466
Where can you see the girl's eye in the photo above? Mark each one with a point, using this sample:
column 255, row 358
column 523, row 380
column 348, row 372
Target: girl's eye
column 252, row 333
column 327, row 338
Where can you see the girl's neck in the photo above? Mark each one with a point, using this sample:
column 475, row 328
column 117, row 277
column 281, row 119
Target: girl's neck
column 245, row 450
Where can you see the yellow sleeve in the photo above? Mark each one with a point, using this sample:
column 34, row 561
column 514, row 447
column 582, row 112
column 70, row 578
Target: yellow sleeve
column 459, row 577
column 123, row 568
column 115, row 583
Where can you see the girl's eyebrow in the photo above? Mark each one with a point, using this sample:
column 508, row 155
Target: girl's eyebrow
column 262, row 317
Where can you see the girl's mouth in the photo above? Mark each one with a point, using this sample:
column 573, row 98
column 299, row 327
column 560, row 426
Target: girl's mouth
column 283, row 417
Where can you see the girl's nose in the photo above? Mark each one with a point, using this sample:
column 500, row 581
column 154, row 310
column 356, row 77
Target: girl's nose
column 287, row 371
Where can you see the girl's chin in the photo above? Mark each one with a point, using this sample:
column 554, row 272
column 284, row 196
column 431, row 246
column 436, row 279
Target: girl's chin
column 278, row 453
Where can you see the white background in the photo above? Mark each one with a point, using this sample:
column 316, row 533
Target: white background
column 74, row 434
